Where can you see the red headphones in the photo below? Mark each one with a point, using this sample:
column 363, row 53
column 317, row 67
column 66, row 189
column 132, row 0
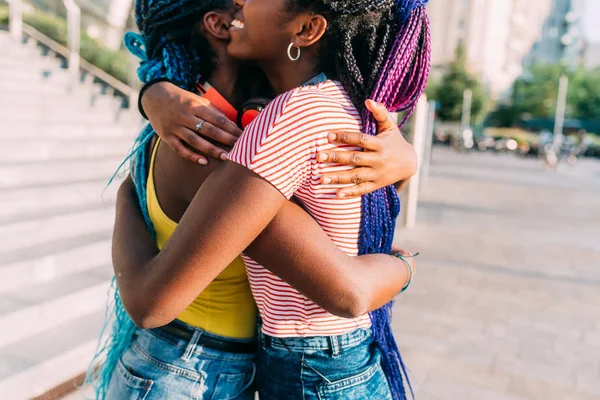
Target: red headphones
column 250, row 110
column 244, row 116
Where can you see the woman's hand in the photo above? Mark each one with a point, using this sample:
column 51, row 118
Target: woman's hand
column 387, row 158
column 174, row 114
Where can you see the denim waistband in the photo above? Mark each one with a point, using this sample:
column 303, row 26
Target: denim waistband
column 191, row 347
column 334, row 343
column 193, row 329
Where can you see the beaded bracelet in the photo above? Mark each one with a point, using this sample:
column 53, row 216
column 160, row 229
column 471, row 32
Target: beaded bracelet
column 410, row 268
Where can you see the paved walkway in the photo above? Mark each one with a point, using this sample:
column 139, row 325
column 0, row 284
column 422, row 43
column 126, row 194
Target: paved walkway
column 506, row 304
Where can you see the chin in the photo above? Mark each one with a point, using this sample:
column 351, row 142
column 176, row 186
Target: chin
column 239, row 52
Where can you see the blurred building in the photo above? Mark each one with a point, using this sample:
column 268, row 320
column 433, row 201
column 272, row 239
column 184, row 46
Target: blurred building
column 502, row 37
column 591, row 55
column 562, row 39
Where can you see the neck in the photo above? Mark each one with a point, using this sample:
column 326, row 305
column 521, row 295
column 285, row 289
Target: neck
column 287, row 75
column 225, row 78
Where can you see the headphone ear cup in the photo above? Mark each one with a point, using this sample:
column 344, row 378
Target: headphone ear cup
column 247, row 117
column 250, row 110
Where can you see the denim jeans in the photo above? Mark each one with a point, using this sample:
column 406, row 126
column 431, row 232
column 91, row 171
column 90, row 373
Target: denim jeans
column 161, row 366
column 345, row 367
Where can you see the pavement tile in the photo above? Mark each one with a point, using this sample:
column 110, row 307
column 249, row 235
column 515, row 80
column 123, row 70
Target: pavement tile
column 504, row 302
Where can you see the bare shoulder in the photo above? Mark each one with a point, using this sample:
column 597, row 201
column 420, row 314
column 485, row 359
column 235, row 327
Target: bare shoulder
column 177, row 180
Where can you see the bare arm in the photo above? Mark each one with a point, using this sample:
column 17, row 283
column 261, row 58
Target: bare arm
column 229, row 211
column 345, row 286
column 310, row 262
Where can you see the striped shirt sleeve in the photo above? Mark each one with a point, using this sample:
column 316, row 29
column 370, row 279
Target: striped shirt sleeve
column 277, row 145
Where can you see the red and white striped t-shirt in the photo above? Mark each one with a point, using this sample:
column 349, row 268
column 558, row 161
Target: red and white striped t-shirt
column 281, row 146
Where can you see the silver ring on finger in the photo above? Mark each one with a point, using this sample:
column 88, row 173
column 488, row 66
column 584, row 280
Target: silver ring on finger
column 199, row 126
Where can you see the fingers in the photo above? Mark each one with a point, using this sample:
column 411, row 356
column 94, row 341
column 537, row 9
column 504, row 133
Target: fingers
column 357, row 190
column 354, row 176
column 201, row 144
column 385, row 120
column 211, row 131
column 197, row 140
column 218, row 120
column 175, row 143
column 355, row 158
column 362, row 140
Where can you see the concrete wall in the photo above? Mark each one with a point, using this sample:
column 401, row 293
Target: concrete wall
column 497, row 35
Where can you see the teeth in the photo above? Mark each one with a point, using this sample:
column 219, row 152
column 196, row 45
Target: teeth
column 237, row 23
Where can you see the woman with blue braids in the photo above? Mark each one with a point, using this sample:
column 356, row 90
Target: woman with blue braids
column 315, row 268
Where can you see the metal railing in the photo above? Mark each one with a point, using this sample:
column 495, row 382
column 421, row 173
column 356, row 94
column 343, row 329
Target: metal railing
column 72, row 53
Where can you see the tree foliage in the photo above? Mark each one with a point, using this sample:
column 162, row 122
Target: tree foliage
column 534, row 95
column 450, row 90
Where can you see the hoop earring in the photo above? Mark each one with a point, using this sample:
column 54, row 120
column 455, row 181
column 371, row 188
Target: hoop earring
column 290, row 52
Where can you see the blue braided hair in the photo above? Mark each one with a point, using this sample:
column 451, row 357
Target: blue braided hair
column 170, row 45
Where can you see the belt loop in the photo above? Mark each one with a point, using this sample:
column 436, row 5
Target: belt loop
column 335, row 346
column 268, row 342
column 191, row 347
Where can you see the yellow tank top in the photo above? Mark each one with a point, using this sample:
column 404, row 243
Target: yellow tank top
column 226, row 307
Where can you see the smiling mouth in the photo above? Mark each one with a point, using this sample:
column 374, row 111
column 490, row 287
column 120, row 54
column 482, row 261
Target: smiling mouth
column 236, row 23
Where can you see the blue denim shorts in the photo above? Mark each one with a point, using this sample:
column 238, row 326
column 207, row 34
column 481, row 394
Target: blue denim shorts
column 345, row 367
column 160, row 366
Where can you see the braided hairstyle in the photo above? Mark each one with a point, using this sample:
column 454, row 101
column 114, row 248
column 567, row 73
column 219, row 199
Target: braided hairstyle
column 377, row 49
column 174, row 45
column 171, row 45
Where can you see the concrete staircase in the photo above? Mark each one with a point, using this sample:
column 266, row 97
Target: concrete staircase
column 60, row 142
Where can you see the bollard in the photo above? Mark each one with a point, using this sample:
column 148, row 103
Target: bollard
column 74, row 34
column 428, row 148
column 16, row 19
column 417, row 138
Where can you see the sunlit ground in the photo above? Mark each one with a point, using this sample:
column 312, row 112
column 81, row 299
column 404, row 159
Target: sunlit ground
column 506, row 301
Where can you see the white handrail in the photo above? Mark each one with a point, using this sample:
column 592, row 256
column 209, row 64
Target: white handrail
column 16, row 19
column 86, row 66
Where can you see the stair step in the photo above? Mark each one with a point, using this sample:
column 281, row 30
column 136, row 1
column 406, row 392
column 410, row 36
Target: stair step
column 31, row 203
column 34, row 309
column 7, row 87
column 55, row 102
column 57, row 264
column 56, row 114
column 66, row 116
column 31, row 367
column 56, row 246
column 27, row 234
column 71, row 130
column 35, row 150
column 43, row 73
column 21, row 58
column 37, row 174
